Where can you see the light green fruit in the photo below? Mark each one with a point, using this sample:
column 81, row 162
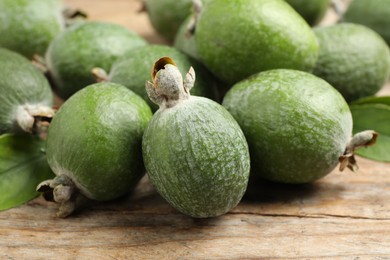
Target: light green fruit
column 237, row 38
column 167, row 15
column 28, row 26
column 80, row 48
column 373, row 14
column 353, row 58
column 194, row 151
column 133, row 70
column 94, row 145
column 311, row 10
column 296, row 124
column 25, row 94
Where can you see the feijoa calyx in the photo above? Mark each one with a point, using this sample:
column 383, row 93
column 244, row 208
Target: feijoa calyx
column 133, row 70
column 194, row 151
column 83, row 46
column 26, row 99
column 298, row 126
column 94, row 146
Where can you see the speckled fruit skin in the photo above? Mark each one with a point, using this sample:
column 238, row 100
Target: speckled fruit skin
column 311, row 10
column 28, row 26
column 167, row 15
column 373, row 14
column 197, row 157
column 238, row 38
column 133, row 70
column 296, row 124
column 80, row 48
column 353, row 58
column 95, row 139
column 20, row 84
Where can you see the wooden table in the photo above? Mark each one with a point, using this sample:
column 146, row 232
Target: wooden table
column 343, row 216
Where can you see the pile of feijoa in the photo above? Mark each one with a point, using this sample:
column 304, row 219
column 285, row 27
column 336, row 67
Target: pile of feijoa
column 243, row 87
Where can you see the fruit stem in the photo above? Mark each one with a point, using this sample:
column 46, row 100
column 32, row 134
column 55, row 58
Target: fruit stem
column 336, row 6
column 196, row 9
column 168, row 87
column 34, row 118
column 62, row 190
column 100, row 74
column 361, row 139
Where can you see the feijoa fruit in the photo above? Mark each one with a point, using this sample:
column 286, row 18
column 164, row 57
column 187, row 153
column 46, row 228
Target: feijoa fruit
column 28, row 27
column 298, row 126
column 238, row 38
column 26, row 98
column 194, row 151
column 94, row 145
column 353, row 58
column 83, row 46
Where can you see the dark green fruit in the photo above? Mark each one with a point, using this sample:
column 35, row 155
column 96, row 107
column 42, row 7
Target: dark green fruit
column 25, row 96
column 296, row 124
column 373, row 14
column 94, row 145
column 353, row 58
column 28, row 26
column 167, row 15
column 133, row 70
column 194, row 151
column 80, row 48
column 237, row 38
column 311, row 10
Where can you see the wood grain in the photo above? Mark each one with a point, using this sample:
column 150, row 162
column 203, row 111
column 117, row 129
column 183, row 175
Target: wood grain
column 343, row 216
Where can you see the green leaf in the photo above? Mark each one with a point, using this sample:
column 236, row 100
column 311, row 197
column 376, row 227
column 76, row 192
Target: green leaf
column 373, row 116
column 23, row 166
column 385, row 100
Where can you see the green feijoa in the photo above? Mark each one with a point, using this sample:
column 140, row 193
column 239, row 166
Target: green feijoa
column 373, row 14
column 237, row 38
column 311, row 10
column 26, row 97
column 28, row 26
column 296, row 124
column 167, row 15
column 133, row 69
column 194, row 151
column 353, row 58
column 94, row 145
column 77, row 50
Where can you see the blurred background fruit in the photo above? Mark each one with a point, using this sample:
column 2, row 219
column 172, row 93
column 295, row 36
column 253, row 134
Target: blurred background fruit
column 353, row 58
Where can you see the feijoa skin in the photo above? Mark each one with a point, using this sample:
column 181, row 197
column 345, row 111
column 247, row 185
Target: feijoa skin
column 296, row 124
column 238, row 38
column 27, row 27
column 133, row 70
column 94, row 145
column 25, row 94
column 352, row 58
column 194, row 151
column 77, row 50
